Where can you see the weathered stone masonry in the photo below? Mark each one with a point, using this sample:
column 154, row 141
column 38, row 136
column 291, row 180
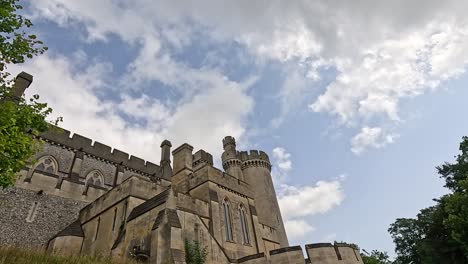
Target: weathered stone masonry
column 30, row 218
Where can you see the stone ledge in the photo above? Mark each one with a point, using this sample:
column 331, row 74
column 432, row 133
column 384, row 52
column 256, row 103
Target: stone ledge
column 249, row 257
column 284, row 250
column 318, row 245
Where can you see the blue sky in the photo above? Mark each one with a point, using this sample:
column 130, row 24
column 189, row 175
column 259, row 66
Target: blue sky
column 356, row 103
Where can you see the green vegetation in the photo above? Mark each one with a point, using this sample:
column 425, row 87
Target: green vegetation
column 15, row 44
column 18, row 256
column 18, row 114
column 438, row 234
column 194, row 252
column 376, row 257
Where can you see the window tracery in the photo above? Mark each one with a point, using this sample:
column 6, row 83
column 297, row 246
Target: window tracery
column 94, row 178
column 227, row 220
column 47, row 164
column 244, row 225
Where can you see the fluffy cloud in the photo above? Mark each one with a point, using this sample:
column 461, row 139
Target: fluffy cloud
column 283, row 159
column 296, row 202
column 297, row 228
column 299, row 204
column 371, row 137
column 373, row 85
column 383, row 52
column 137, row 124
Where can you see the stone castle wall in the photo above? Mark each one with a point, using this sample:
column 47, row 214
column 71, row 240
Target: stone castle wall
column 99, row 151
column 55, row 197
column 338, row 253
column 29, row 218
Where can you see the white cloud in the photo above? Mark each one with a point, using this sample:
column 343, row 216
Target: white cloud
column 282, row 166
column 282, row 159
column 395, row 69
column 138, row 124
column 299, row 204
column 383, row 52
column 297, row 228
column 292, row 91
column 296, row 202
column 371, row 137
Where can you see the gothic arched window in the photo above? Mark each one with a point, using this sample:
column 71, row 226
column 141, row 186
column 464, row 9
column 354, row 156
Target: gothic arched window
column 47, row 164
column 95, row 178
column 244, row 225
column 227, row 220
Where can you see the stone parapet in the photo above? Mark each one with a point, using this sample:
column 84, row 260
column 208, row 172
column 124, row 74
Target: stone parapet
column 96, row 149
column 256, row 163
column 220, row 178
column 253, row 155
column 337, row 253
column 201, row 158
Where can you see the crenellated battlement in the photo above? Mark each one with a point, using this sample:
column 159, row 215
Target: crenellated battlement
column 62, row 137
column 253, row 155
column 200, row 158
column 229, row 141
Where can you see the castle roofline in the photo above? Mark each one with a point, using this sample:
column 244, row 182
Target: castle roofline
column 99, row 150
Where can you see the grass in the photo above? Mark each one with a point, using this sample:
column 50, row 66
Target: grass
column 9, row 255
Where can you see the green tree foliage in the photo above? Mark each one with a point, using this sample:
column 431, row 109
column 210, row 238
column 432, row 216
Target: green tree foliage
column 18, row 115
column 438, row 234
column 15, row 44
column 194, row 252
column 376, row 257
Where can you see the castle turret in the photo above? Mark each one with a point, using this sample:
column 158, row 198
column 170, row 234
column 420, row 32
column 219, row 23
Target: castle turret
column 256, row 169
column 231, row 163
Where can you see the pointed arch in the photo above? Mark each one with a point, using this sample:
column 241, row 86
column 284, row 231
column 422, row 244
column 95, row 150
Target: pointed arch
column 47, row 164
column 227, row 220
column 244, row 224
column 95, row 178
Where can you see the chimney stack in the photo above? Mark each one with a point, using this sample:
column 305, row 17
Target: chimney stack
column 22, row 81
column 166, row 159
column 166, row 150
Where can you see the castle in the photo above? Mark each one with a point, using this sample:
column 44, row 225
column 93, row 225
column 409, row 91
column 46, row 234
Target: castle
column 83, row 197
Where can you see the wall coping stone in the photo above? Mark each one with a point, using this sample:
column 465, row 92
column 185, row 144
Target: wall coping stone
column 284, row 250
column 181, row 147
column 318, row 245
column 249, row 257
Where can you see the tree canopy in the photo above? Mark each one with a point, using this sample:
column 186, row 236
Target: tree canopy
column 19, row 115
column 376, row 257
column 438, row 234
